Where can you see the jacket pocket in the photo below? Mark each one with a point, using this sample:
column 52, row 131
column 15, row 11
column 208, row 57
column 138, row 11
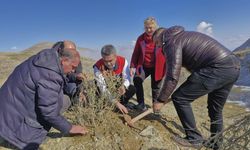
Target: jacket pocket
column 30, row 130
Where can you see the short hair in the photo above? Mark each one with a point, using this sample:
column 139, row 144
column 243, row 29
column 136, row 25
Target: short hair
column 108, row 50
column 58, row 45
column 151, row 20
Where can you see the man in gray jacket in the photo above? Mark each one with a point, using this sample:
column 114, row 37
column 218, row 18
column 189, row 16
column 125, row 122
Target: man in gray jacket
column 32, row 97
column 214, row 69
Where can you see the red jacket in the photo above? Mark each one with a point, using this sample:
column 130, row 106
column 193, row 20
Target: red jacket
column 138, row 56
column 120, row 62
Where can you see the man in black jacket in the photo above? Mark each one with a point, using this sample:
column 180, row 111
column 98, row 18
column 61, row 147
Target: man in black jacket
column 214, row 69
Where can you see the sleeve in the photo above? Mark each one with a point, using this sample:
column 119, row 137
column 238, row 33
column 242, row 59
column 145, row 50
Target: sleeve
column 101, row 84
column 100, row 81
column 135, row 55
column 126, row 74
column 48, row 92
column 173, row 67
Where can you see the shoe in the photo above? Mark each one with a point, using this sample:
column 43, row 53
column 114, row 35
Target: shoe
column 141, row 107
column 130, row 106
column 186, row 143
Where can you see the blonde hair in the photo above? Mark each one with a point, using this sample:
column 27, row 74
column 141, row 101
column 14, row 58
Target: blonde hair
column 151, row 20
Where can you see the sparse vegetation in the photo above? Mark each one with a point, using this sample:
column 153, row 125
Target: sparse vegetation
column 242, row 54
column 94, row 108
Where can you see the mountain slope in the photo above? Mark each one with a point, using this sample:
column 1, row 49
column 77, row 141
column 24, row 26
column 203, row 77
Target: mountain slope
column 243, row 53
column 244, row 46
column 9, row 60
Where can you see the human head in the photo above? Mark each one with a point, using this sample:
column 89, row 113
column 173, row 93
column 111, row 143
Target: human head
column 158, row 37
column 69, row 58
column 150, row 25
column 108, row 53
column 64, row 44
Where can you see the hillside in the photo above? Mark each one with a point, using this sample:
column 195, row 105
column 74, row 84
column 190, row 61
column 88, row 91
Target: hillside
column 244, row 46
column 243, row 53
column 9, row 60
column 112, row 133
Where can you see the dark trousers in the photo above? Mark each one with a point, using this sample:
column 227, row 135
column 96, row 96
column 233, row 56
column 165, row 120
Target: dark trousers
column 215, row 80
column 130, row 91
column 138, row 82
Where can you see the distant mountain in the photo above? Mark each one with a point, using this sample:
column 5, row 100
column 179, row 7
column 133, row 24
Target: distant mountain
column 44, row 45
column 38, row 47
column 9, row 60
column 243, row 53
column 244, row 78
column 244, row 46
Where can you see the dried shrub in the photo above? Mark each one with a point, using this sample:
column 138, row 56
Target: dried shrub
column 236, row 136
column 94, row 108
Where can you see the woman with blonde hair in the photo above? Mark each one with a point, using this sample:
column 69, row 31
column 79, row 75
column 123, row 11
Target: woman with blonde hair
column 145, row 59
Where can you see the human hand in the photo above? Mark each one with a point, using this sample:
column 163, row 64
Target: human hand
column 121, row 90
column 80, row 76
column 122, row 108
column 157, row 106
column 77, row 129
column 132, row 72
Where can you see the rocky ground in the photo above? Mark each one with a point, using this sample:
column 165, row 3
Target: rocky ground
column 150, row 133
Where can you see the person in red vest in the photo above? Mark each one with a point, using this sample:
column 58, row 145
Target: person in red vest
column 118, row 65
column 147, row 61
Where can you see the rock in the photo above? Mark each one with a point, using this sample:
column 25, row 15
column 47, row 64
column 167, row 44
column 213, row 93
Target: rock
column 149, row 131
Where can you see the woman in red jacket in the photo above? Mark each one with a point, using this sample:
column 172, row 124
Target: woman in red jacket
column 147, row 61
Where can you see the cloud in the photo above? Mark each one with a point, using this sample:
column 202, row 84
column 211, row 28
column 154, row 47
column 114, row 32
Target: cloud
column 205, row 28
column 13, row 48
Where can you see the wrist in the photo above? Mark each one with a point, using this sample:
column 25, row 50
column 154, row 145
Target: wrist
column 159, row 101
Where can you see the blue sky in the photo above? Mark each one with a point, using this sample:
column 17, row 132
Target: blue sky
column 94, row 23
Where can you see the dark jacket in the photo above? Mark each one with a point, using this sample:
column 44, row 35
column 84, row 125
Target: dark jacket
column 72, row 83
column 31, row 99
column 138, row 55
column 192, row 50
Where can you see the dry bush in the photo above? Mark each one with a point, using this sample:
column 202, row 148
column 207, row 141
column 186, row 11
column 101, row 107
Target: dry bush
column 236, row 136
column 94, row 109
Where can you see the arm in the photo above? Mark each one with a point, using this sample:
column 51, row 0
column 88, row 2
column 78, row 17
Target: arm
column 173, row 67
column 126, row 74
column 100, row 81
column 135, row 55
column 48, row 102
column 101, row 84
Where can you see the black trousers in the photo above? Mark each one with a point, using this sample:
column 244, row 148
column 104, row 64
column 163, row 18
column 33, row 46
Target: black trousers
column 138, row 82
column 216, row 80
column 130, row 91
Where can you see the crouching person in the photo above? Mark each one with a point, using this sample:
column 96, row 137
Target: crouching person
column 73, row 80
column 32, row 98
column 118, row 66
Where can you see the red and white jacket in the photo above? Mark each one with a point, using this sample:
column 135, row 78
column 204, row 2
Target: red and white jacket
column 120, row 69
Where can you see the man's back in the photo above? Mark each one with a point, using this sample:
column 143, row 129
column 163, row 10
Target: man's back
column 196, row 50
column 18, row 109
